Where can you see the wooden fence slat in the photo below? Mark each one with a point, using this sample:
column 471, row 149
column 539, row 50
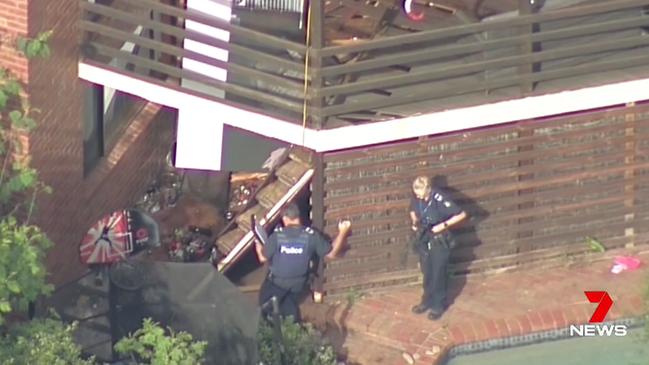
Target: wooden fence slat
column 197, row 77
column 462, row 155
column 491, row 176
column 462, row 69
column 578, row 186
column 463, row 87
column 193, row 15
column 182, row 52
column 481, row 27
column 429, row 54
column 597, row 119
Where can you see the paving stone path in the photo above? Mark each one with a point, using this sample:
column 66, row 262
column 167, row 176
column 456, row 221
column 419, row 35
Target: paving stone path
column 382, row 327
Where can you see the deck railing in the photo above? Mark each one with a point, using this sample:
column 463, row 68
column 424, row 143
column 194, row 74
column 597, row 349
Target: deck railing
column 109, row 25
column 507, row 56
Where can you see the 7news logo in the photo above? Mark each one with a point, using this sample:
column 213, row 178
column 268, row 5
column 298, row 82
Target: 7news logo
column 592, row 329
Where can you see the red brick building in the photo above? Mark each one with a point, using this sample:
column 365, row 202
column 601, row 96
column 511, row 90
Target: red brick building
column 93, row 169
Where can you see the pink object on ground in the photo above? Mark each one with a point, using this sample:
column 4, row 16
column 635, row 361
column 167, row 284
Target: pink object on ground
column 623, row 263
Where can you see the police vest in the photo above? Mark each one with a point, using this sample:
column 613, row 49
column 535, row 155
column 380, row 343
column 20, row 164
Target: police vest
column 292, row 256
column 429, row 211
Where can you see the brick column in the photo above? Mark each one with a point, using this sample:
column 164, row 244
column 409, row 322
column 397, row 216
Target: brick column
column 13, row 23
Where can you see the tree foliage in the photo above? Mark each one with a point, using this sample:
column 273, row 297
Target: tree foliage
column 154, row 345
column 42, row 341
column 303, row 345
column 23, row 246
column 22, row 272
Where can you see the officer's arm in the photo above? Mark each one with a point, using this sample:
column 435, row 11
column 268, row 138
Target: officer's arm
column 414, row 219
column 339, row 241
column 454, row 220
column 260, row 252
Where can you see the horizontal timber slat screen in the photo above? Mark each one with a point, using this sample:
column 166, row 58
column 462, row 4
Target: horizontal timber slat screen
column 255, row 59
column 535, row 190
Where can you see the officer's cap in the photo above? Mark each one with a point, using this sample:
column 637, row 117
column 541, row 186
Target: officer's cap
column 291, row 211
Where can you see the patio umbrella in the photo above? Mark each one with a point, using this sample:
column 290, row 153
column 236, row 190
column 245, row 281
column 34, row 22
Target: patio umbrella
column 118, row 235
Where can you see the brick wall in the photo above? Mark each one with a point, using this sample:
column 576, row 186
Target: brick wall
column 57, row 144
column 13, row 23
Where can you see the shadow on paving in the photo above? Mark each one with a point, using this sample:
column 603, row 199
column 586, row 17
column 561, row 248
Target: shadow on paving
column 188, row 297
column 87, row 304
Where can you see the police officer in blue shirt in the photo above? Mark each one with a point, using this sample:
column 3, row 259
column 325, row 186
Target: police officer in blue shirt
column 289, row 251
column 432, row 215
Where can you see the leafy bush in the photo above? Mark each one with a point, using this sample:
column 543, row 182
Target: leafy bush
column 22, row 272
column 303, row 345
column 42, row 341
column 152, row 345
column 23, row 246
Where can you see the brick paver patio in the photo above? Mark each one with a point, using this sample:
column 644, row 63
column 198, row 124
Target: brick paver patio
column 485, row 307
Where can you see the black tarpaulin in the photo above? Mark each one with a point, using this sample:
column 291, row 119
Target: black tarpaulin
column 191, row 297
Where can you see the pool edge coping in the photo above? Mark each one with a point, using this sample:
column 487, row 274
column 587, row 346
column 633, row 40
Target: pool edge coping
column 451, row 351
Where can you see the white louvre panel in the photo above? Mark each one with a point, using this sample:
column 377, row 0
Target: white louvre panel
column 284, row 6
column 220, row 9
column 200, row 135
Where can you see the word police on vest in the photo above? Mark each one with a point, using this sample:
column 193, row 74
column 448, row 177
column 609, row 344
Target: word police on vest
column 291, row 250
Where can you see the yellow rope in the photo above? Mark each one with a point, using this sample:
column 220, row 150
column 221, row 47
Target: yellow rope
column 306, row 71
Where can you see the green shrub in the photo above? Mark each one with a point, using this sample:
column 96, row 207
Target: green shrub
column 303, row 345
column 22, row 269
column 151, row 344
column 42, row 341
column 23, row 246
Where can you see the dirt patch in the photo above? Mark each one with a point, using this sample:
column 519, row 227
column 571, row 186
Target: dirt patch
column 352, row 348
column 190, row 210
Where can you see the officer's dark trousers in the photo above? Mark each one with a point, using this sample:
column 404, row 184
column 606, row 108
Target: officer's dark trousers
column 433, row 265
column 288, row 300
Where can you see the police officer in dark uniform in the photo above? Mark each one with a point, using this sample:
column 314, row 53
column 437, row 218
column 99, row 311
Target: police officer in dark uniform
column 289, row 251
column 432, row 215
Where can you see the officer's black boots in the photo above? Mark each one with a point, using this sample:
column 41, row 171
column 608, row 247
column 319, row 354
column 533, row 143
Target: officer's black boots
column 419, row 308
column 432, row 315
column 422, row 308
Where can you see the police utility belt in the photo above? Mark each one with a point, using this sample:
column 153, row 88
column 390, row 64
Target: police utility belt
column 436, row 239
column 428, row 240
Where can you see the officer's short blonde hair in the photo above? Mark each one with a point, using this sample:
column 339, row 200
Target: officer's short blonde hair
column 421, row 186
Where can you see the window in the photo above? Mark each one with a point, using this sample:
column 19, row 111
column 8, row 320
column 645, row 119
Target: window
column 107, row 114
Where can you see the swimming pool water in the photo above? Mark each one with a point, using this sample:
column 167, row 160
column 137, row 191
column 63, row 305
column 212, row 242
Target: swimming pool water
column 629, row 350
